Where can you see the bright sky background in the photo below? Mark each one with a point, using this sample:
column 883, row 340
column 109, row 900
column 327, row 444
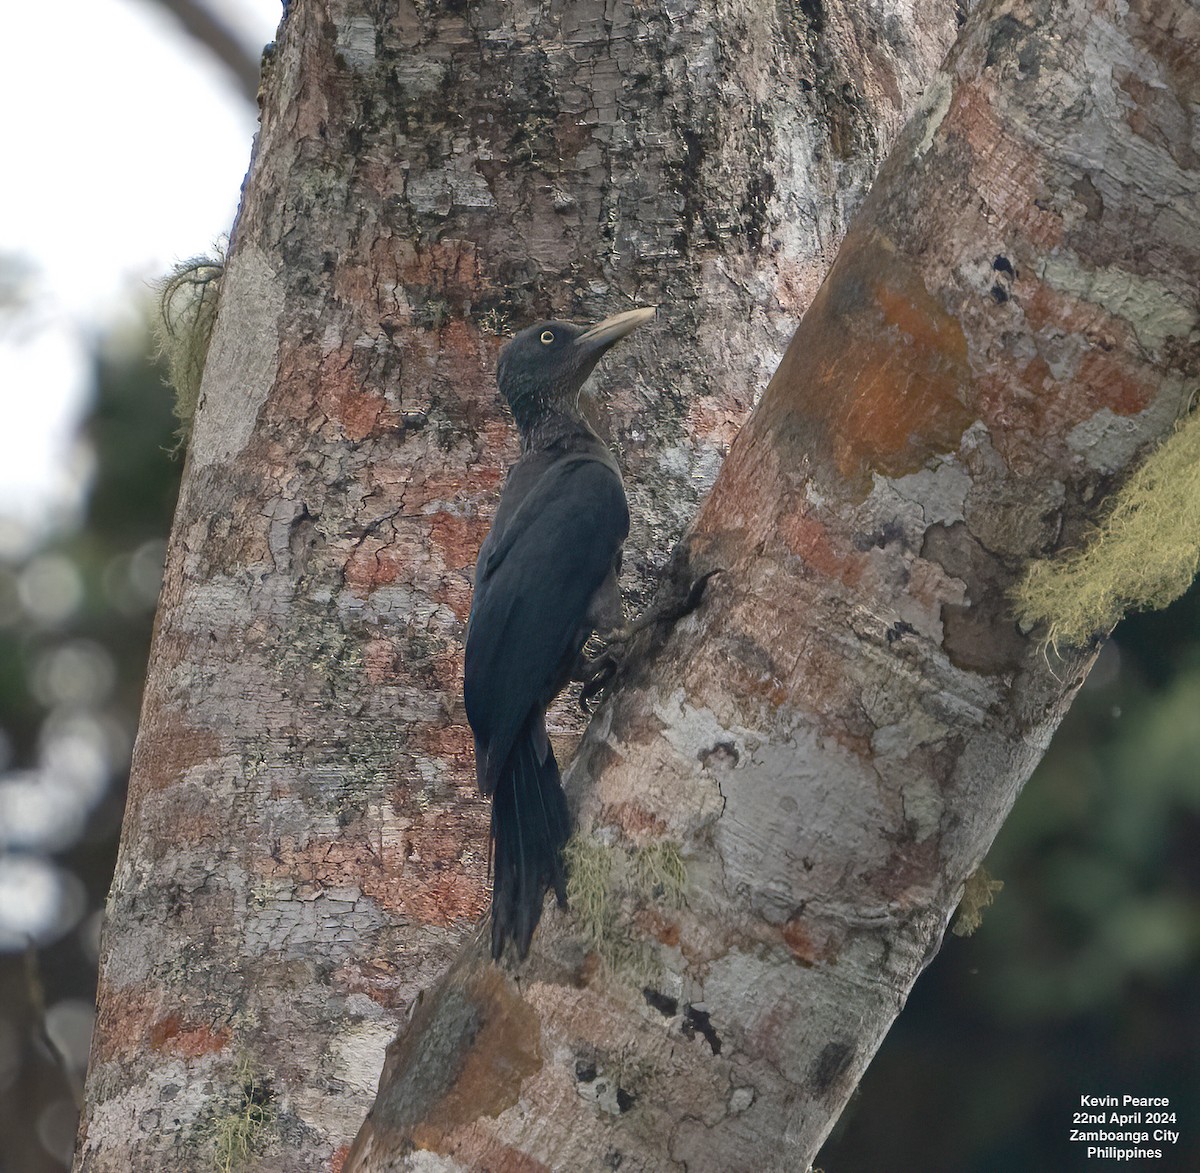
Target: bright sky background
column 124, row 152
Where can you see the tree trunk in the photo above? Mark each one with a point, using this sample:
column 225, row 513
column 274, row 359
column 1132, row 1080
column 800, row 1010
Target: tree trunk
column 303, row 849
column 781, row 805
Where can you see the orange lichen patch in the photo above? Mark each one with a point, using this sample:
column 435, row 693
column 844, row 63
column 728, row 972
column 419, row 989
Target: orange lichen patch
column 373, row 564
column 876, row 378
column 422, row 870
column 633, row 819
column 361, row 413
column 493, row 1061
column 169, row 747
column 295, row 393
column 502, row 442
column 439, row 874
column 338, row 1159
column 319, row 863
column 1027, row 406
column 737, row 513
column 1023, row 424
column 1005, row 172
column 373, row 282
column 343, row 399
column 807, row 946
column 173, row 1034
column 651, row 922
column 456, row 538
column 456, row 897
column 477, row 1149
column 124, row 1014
column 808, row 539
column 380, row 661
column 399, row 274
column 448, row 742
column 447, row 268
column 467, row 364
column 1111, row 382
column 1054, row 312
column 717, row 421
column 455, row 358
column 445, row 486
column 909, row 385
column 1035, row 375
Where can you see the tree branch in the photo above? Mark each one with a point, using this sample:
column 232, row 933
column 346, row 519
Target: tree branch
column 202, row 25
column 832, row 742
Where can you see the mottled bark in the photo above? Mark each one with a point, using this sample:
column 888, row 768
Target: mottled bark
column 829, row 745
column 303, row 848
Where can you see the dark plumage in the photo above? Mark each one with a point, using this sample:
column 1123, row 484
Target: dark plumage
column 545, row 580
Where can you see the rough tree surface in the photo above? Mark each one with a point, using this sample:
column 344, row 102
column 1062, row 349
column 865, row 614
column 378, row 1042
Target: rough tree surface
column 303, row 848
column 782, row 803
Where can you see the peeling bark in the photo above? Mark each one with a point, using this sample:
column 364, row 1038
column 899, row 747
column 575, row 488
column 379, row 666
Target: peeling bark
column 832, row 741
column 303, row 849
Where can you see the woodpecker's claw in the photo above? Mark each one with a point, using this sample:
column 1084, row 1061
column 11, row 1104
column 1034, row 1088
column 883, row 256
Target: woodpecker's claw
column 602, row 671
column 695, row 593
column 599, row 671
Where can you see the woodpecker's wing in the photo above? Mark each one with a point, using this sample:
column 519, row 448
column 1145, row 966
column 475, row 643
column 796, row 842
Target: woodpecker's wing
column 534, row 582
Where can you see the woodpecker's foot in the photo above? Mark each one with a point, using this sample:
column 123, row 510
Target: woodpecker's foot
column 598, row 672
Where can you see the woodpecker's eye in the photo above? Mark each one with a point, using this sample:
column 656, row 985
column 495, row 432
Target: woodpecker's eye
column 547, row 337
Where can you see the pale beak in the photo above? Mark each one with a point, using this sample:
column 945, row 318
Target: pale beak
column 603, row 334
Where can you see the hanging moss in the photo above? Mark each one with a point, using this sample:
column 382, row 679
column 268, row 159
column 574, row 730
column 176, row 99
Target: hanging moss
column 187, row 312
column 241, row 1132
column 589, row 872
column 1144, row 556
column 606, row 884
column 978, row 892
column 660, row 875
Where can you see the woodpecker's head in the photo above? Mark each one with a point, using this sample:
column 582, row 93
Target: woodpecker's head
column 544, row 367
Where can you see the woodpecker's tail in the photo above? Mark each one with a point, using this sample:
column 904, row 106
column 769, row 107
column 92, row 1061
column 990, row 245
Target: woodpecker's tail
column 530, row 827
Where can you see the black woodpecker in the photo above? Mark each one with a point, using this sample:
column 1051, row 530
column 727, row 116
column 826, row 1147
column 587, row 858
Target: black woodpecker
column 545, row 580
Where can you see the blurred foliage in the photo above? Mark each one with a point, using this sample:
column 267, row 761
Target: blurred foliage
column 1084, row 976
column 75, row 622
